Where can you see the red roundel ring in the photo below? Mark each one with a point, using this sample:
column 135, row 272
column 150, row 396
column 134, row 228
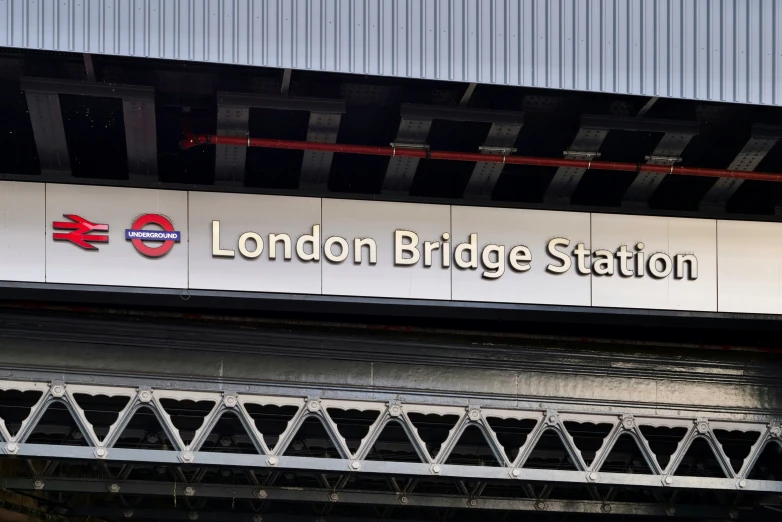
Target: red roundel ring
column 153, row 219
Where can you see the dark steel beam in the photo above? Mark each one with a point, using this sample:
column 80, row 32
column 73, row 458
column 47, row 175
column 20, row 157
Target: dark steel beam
column 471, row 499
column 762, row 140
column 499, row 140
column 316, row 165
column 284, row 103
column 103, row 90
column 434, row 112
column 49, row 132
column 232, row 120
column 413, row 132
column 585, row 146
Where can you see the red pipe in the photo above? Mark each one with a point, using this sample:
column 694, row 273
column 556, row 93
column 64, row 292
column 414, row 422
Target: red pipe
column 191, row 141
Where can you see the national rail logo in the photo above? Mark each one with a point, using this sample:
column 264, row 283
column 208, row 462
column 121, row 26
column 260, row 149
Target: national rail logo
column 139, row 236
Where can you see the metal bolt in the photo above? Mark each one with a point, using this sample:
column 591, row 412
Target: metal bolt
column 703, row 427
column 38, row 484
column 552, row 419
column 395, row 410
column 733, row 514
column 100, row 452
column 128, row 513
column 225, row 442
column 742, row 483
column 257, row 518
column 540, row 505
column 606, row 508
column 58, row 391
column 593, row 477
column 152, row 438
column 189, row 491
column 775, row 431
column 671, row 511
column 12, row 447
column 261, row 494
column 516, row 472
column 355, row 465
column 114, row 488
column 193, row 515
column 472, row 502
column 298, row 445
column 437, row 468
column 404, row 500
column 145, row 396
column 313, row 405
column 188, row 456
column 229, row 401
column 669, row 480
column 272, row 461
column 334, row 497
column 474, row 415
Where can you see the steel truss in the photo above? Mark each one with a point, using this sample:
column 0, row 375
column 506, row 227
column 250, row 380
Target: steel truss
column 274, row 457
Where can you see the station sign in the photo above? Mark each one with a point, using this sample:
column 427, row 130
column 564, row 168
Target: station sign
column 127, row 237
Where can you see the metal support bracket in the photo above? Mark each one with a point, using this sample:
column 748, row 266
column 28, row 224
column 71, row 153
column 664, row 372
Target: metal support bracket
column 499, row 141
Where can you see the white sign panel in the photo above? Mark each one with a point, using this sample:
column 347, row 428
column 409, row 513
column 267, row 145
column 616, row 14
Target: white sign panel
column 663, row 263
column 507, row 258
column 279, row 244
column 22, row 231
column 87, row 231
column 376, row 232
column 249, row 243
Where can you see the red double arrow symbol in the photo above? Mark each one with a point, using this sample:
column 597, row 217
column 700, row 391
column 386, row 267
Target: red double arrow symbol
column 81, row 232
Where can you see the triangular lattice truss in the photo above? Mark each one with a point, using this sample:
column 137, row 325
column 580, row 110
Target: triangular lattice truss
column 470, row 447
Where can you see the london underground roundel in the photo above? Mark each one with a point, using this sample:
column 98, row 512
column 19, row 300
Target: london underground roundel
column 139, row 236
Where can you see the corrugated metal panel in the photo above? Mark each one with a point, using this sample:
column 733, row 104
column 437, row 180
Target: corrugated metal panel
column 724, row 50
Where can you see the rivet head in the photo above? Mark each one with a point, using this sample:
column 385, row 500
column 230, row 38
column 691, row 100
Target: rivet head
column 188, row 456
column 606, row 508
column 516, row 472
column 355, row 465
column 540, row 505
column 100, row 452
column 189, row 491
column 742, row 483
column 114, row 488
column 12, row 447
column 437, row 468
column 334, row 497
column 472, row 502
column 261, row 494
column 404, row 500
column 669, row 480
column 671, row 511
column 593, row 476
column 272, row 461
column 38, row 484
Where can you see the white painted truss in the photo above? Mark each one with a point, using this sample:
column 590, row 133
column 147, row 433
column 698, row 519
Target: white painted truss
column 275, row 457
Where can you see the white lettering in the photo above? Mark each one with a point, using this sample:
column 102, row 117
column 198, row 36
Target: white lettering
column 313, row 240
column 519, row 258
column 561, row 256
column 250, row 254
column 410, row 248
column 471, row 249
column 359, row 244
column 343, row 249
column 216, row 250
column 654, row 269
column 494, row 267
column 286, row 241
column 692, row 263
column 604, row 265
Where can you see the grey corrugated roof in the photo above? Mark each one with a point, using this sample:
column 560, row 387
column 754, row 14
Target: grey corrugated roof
column 723, row 50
